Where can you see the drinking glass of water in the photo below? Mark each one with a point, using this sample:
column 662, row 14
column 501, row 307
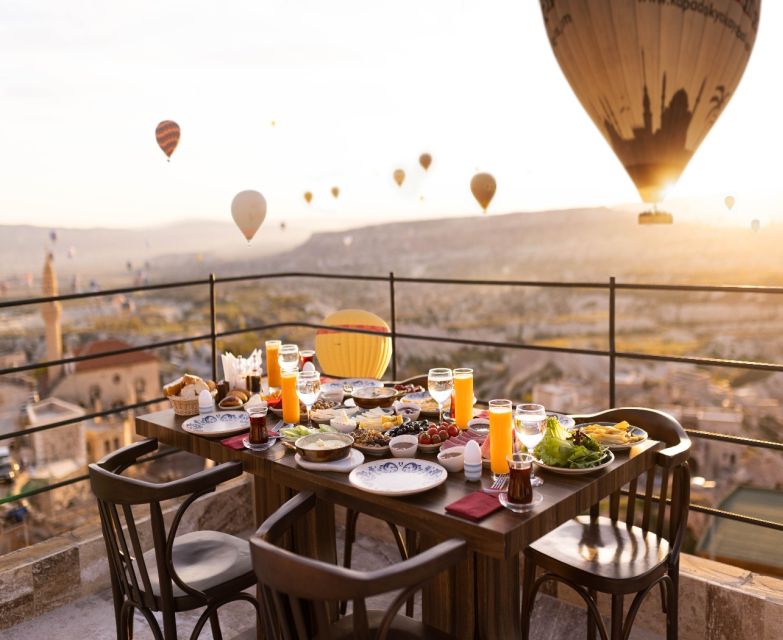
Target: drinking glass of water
column 308, row 386
column 288, row 357
column 440, row 384
column 529, row 424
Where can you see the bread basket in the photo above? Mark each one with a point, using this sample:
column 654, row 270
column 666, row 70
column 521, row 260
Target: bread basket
column 187, row 406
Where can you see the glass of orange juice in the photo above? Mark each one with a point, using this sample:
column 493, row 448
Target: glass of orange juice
column 290, row 397
column 272, row 365
column 463, row 397
column 500, row 439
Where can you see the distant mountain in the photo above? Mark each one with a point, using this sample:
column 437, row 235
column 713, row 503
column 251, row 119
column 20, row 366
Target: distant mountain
column 101, row 251
column 578, row 244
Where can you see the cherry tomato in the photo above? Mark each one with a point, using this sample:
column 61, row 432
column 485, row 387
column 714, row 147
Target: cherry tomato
column 453, row 431
column 444, row 435
column 425, row 438
column 432, row 431
column 435, row 439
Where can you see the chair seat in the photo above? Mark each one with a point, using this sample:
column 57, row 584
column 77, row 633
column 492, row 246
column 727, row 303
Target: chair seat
column 202, row 560
column 607, row 555
column 403, row 628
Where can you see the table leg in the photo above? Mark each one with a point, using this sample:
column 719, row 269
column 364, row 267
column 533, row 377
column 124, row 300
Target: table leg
column 267, row 497
column 448, row 601
column 497, row 597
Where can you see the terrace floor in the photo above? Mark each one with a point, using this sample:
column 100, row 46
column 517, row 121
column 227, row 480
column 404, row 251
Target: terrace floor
column 93, row 616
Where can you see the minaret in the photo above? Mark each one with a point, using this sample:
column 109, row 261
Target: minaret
column 52, row 312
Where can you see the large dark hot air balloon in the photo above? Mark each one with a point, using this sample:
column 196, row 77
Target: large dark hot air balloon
column 248, row 208
column 167, row 135
column 425, row 160
column 483, row 187
column 653, row 76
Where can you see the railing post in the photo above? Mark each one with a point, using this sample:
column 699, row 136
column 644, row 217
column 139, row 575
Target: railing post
column 393, row 324
column 612, row 398
column 212, row 323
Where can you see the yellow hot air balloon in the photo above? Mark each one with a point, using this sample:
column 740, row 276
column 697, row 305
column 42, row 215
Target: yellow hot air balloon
column 483, row 187
column 308, row 197
column 248, row 208
column 350, row 355
column 425, row 160
column 653, row 76
column 729, row 201
column 167, row 135
column 335, row 191
column 399, row 176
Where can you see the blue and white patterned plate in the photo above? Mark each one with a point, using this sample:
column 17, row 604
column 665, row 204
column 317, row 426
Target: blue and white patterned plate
column 398, row 477
column 222, row 423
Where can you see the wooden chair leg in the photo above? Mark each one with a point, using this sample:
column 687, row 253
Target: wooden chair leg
column 411, row 544
column 398, row 540
column 617, row 617
column 591, row 621
column 672, row 612
column 528, row 578
column 169, row 625
column 214, row 624
column 351, row 518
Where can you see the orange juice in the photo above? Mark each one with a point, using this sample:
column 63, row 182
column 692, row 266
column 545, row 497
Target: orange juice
column 290, row 397
column 500, row 431
column 272, row 365
column 463, row 397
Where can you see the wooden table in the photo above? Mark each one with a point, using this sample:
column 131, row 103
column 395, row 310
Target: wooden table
column 479, row 599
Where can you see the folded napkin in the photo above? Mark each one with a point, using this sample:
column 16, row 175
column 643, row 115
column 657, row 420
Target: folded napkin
column 475, row 506
column 234, row 442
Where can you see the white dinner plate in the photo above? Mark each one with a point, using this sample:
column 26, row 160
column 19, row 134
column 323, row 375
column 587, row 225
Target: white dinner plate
column 222, row 423
column 354, row 459
column 577, row 472
column 398, row 476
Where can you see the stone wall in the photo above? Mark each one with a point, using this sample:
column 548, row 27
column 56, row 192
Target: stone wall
column 50, row 574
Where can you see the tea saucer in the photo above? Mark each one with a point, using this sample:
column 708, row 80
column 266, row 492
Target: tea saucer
column 259, row 447
column 519, row 508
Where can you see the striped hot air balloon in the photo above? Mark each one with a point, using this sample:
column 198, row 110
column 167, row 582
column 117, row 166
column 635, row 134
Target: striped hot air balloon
column 167, row 135
column 354, row 355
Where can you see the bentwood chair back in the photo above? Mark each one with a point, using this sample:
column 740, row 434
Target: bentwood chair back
column 193, row 570
column 299, row 595
column 634, row 547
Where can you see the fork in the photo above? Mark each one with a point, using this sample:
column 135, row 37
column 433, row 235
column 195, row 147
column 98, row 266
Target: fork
column 498, row 485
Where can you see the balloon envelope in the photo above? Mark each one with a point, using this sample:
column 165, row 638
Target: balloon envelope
column 653, row 76
column 483, row 188
column 335, row 191
column 354, row 355
column 425, row 159
column 248, row 208
column 167, row 135
column 308, row 197
column 399, row 177
column 729, row 202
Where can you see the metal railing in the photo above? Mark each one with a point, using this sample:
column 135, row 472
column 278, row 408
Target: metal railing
column 611, row 287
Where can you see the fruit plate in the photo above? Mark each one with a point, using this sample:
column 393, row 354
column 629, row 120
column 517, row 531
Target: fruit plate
column 354, row 459
column 635, row 431
column 398, row 476
column 608, row 459
column 223, row 423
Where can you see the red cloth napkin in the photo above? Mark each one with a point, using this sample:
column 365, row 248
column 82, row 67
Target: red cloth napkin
column 475, row 506
column 234, row 442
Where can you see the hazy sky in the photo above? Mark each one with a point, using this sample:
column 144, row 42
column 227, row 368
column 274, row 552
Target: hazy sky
column 356, row 89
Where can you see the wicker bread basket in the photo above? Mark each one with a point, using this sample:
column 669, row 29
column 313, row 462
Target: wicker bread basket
column 186, row 406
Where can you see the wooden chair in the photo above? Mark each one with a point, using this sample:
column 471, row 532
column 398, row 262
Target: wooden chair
column 298, row 593
column 627, row 553
column 193, row 570
column 404, row 545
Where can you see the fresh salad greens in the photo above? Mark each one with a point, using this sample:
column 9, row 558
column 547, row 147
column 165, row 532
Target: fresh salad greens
column 292, row 433
column 574, row 450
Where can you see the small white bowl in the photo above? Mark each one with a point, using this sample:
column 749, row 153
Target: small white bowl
column 411, row 443
column 479, row 424
column 343, row 427
column 411, row 410
column 453, row 459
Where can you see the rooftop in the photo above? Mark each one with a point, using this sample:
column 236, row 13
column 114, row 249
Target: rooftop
column 110, row 362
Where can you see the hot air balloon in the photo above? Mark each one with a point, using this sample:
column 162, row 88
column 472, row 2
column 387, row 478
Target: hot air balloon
column 282, row 226
column 335, row 191
column 729, row 201
column 167, row 135
column 357, row 355
column 129, row 265
column 483, row 186
column 656, row 217
column 308, row 197
column 399, row 176
column 425, row 160
column 653, row 76
column 248, row 208
column 53, row 235
column 755, row 225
